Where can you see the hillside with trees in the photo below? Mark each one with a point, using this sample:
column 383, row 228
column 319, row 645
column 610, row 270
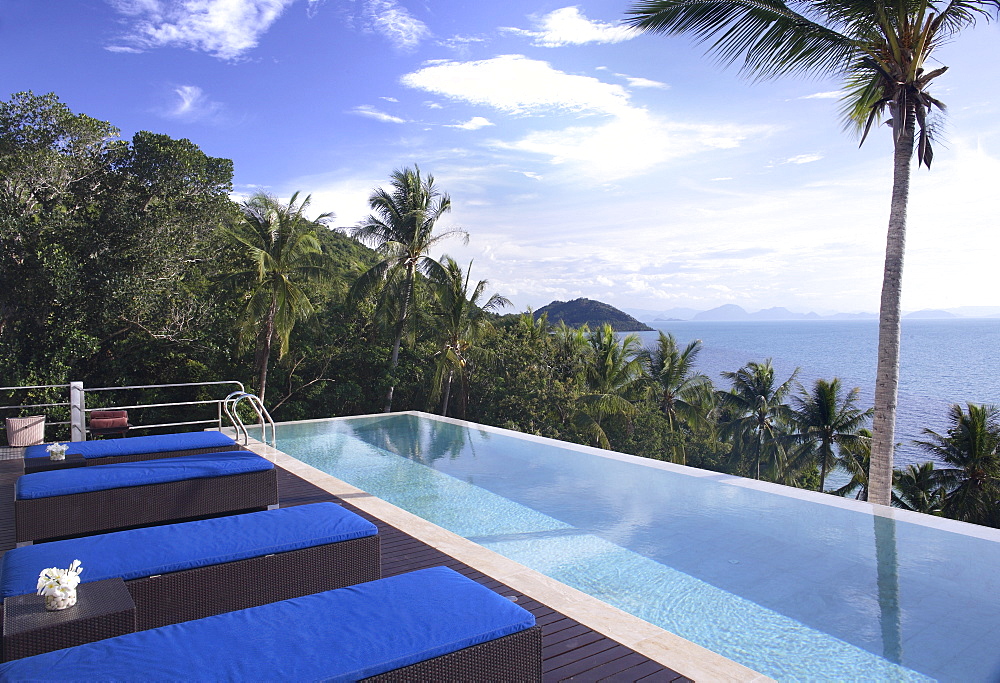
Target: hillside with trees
column 592, row 313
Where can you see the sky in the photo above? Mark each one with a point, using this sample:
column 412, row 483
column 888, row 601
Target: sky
column 583, row 160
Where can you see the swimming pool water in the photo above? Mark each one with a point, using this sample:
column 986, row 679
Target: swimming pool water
column 795, row 589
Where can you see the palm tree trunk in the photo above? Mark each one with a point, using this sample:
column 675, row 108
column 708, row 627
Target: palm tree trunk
column 447, row 392
column 394, row 359
column 264, row 349
column 887, row 373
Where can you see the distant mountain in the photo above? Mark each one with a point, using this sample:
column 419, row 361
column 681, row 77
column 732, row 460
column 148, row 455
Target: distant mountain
column 593, row 313
column 725, row 312
column 930, row 314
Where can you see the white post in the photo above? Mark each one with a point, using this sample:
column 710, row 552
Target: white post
column 77, row 412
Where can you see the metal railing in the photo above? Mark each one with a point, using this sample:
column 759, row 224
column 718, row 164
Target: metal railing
column 231, row 406
column 78, row 409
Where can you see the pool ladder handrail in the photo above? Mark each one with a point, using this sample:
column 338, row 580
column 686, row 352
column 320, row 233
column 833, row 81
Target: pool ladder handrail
column 229, row 406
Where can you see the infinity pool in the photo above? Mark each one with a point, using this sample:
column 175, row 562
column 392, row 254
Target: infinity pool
column 797, row 586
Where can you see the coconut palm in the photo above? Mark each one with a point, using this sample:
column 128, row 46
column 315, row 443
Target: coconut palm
column 854, row 459
column 758, row 412
column 826, row 416
column 462, row 317
column 917, row 488
column 613, row 371
column 879, row 48
column 970, row 452
column 681, row 392
column 401, row 230
column 285, row 253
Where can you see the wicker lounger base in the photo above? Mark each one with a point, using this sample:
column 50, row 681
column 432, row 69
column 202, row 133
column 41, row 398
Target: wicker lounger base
column 163, row 454
column 517, row 657
column 204, row 591
column 37, row 519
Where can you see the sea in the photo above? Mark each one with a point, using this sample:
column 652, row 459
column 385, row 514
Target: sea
column 942, row 362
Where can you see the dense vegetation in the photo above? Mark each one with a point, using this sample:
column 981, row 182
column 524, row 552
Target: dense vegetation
column 593, row 313
column 127, row 262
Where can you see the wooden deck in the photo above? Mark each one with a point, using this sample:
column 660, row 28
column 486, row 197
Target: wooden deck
column 570, row 651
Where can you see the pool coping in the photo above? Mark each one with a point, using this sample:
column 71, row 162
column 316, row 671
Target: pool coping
column 659, row 645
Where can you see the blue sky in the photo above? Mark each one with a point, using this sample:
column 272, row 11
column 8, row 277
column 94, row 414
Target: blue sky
column 582, row 159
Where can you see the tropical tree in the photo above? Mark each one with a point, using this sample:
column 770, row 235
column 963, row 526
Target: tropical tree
column 879, row 49
column 854, row 459
column 757, row 413
column 284, row 252
column 826, row 416
column 462, row 317
column 401, row 228
column 614, row 370
column 970, row 451
column 681, row 393
column 916, row 488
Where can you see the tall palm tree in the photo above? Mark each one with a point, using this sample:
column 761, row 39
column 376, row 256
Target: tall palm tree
column 285, row 253
column 680, row 391
column 401, row 228
column 971, row 454
column 826, row 416
column 756, row 403
column 462, row 318
column 613, row 371
column 917, row 488
column 879, row 48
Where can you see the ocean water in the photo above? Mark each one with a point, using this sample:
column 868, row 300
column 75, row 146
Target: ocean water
column 942, row 362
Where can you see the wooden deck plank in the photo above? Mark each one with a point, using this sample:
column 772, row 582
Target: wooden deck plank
column 570, row 649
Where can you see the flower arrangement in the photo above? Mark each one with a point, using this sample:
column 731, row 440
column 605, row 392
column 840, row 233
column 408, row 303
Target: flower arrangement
column 57, row 451
column 59, row 586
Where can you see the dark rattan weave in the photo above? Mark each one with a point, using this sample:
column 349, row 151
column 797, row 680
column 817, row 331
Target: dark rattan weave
column 204, row 591
column 104, row 610
column 517, row 657
column 37, row 519
column 46, row 464
column 162, row 454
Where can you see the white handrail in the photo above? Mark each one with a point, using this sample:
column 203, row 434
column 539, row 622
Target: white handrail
column 230, row 404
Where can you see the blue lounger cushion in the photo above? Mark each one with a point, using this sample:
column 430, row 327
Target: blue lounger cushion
column 339, row 635
column 135, row 445
column 138, row 553
column 120, row 475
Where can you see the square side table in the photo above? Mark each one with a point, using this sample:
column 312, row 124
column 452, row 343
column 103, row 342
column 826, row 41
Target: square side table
column 104, row 609
column 44, row 464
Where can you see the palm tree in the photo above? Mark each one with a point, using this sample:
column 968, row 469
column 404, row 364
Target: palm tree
column 758, row 409
column 401, row 229
column 285, row 253
column 824, row 417
column 680, row 391
column 613, row 371
column 879, row 48
column 972, row 473
column 917, row 488
column 854, row 459
column 462, row 317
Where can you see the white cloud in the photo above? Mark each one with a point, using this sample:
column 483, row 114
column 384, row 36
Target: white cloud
column 373, row 113
column 629, row 145
column 568, row 26
column 475, row 123
column 223, row 28
column 192, row 104
column 517, row 85
column 389, row 99
column 829, row 95
column 395, row 24
column 645, row 83
column 803, row 159
column 629, row 142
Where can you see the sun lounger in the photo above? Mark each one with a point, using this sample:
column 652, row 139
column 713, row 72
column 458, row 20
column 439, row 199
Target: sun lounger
column 92, row 500
column 135, row 448
column 174, row 572
column 429, row 625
